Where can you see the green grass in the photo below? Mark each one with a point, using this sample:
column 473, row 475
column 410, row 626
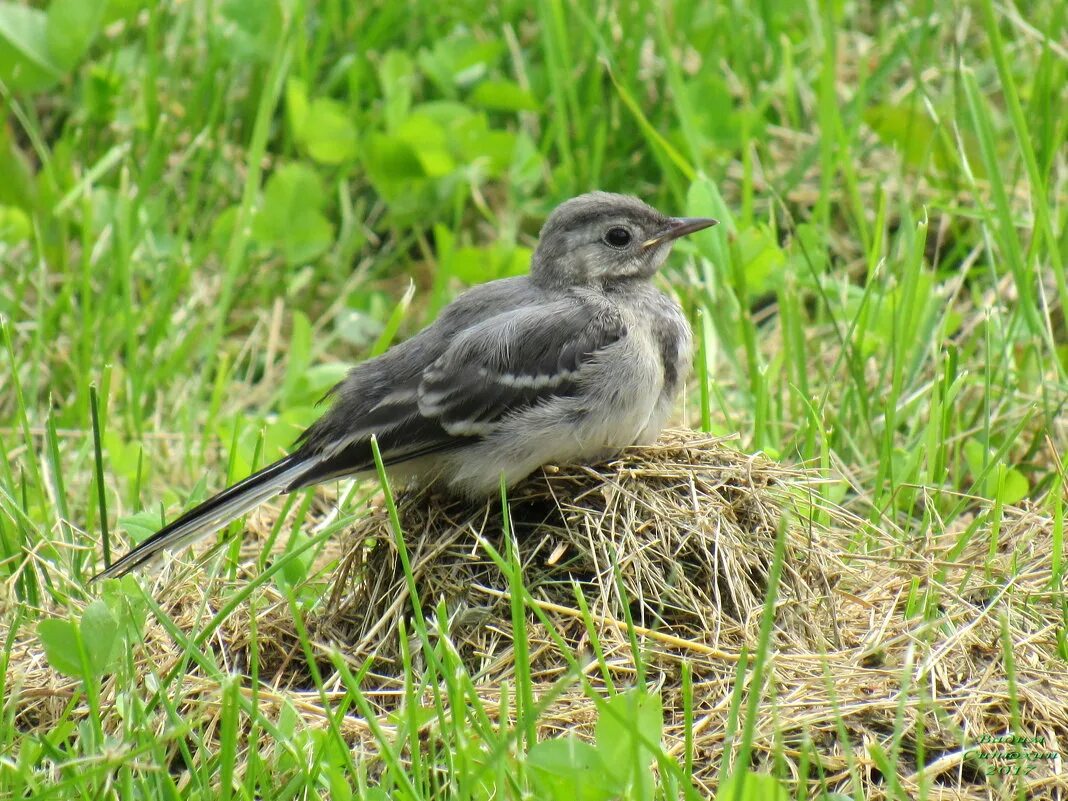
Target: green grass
column 208, row 210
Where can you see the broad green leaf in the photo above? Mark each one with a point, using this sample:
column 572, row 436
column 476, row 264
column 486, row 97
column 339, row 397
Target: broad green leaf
column 519, row 263
column 141, row 525
column 392, row 166
column 887, row 322
column 470, row 139
column 101, row 90
column 328, row 133
column 295, row 571
column 222, row 228
column 338, row 781
column 449, row 114
column 754, row 787
column 911, row 130
column 472, row 265
column 60, row 641
column 296, row 106
column 288, row 719
column 476, row 265
column 762, row 259
column 308, row 239
column 17, row 185
column 96, row 633
column 1014, row 487
column 359, row 327
column 123, row 455
column 25, row 61
column 808, row 249
column 396, row 73
column 568, row 768
column 503, row 96
column 459, row 60
column 716, row 117
column 122, row 9
column 629, row 721
column 15, row 225
column 290, row 218
column 429, row 142
column 100, row 631
column 392, row 158
column 491, row 149
column 127, row 603
column 444, row 134
column 72, row 26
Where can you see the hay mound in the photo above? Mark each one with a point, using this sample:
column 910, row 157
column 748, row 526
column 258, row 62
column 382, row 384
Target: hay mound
column 679, row 536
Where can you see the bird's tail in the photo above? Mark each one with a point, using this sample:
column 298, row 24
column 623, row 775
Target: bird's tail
column 214, row 513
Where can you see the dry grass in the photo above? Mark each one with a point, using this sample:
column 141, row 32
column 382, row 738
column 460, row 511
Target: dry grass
column 681, row 536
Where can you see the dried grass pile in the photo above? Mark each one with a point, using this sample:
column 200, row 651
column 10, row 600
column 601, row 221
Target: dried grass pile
column 679, row 535
column 871, row 637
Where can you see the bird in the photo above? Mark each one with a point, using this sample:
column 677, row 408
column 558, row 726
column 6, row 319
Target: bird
column 573, row 362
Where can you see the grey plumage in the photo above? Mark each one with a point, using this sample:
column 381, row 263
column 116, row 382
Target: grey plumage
column 577, row 360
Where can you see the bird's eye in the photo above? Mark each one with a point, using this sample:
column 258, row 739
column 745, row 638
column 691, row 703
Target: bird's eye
column 617, row 237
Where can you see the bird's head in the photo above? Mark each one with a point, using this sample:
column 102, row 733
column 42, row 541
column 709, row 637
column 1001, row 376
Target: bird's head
column 600, row 238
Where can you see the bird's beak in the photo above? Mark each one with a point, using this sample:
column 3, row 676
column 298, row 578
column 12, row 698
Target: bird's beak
column 679, row 226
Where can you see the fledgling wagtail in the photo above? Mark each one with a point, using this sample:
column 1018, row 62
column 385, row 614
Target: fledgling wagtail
column 579, row 359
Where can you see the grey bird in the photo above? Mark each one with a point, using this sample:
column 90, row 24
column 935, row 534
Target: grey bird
column 575, row 361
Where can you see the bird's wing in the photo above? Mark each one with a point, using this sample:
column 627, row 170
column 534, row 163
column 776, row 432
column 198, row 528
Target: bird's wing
column 513, row 363
column 489, row 372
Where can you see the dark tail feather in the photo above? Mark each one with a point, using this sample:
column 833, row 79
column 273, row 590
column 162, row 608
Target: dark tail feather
column 214, row 513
